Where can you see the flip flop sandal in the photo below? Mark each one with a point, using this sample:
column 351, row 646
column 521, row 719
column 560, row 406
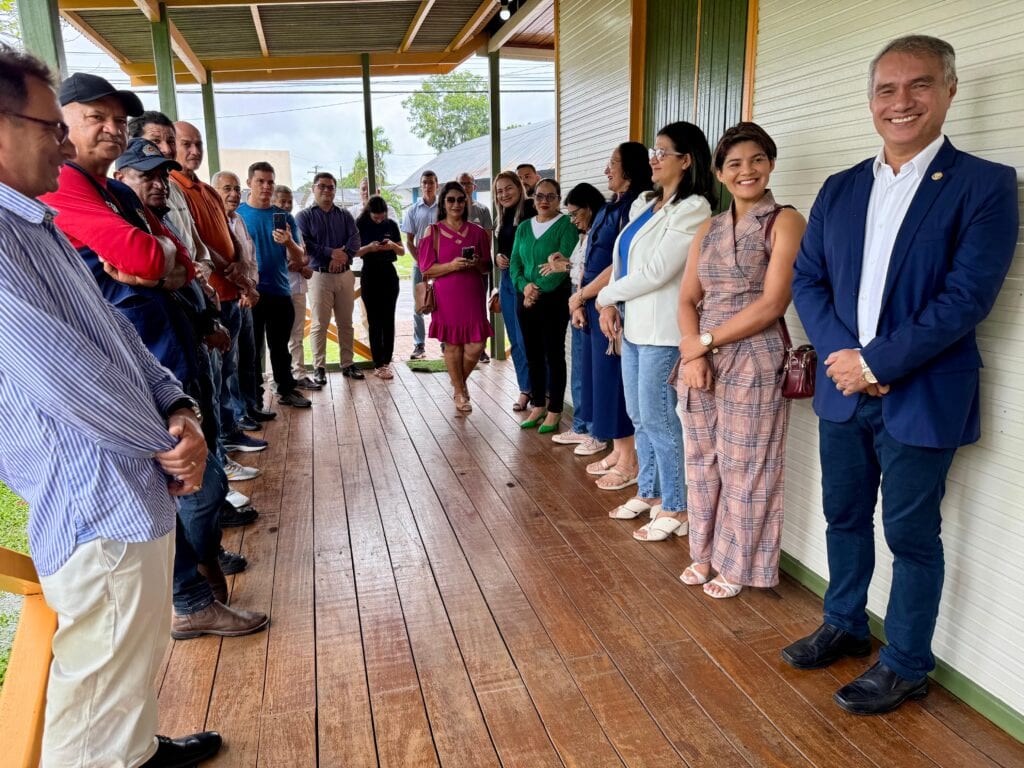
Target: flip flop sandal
column 662, row 528
column 631, row 510
column 624, row 480
column 601, row 467
column 694, row 579
column 728, row 589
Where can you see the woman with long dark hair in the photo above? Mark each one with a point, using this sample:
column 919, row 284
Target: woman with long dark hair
column 640, row 303
column 382, row 245
column 514, row 208
column 455, row 254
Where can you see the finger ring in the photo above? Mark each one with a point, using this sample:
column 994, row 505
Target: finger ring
column 192, row 464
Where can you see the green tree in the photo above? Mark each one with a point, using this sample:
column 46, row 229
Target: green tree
column 382, row 147
column 10, row 24
column 449, row 109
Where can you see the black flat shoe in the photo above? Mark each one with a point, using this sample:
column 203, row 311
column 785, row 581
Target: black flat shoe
column 184, row 752
column 235, row 518
column 231, row 562
column 352, row 372
column 824, row 646
column 879, row 690
column 258, row 414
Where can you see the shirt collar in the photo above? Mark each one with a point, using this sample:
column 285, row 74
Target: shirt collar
column 30, row 210
column 918, row 163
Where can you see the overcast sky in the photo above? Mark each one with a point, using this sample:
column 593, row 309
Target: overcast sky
column 325, row 129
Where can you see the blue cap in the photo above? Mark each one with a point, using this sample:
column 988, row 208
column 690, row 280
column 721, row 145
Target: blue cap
column 144, row 155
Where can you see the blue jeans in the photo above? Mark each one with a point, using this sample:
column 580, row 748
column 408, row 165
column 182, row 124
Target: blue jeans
column 231, row 407
column 507, row 291
column 579, row 338
column 855, row 456
column 248, row 376
column 419, row 327
column 198, row 538
column 651, row 404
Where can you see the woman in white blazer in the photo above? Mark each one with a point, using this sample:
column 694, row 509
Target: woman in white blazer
column 640, row 302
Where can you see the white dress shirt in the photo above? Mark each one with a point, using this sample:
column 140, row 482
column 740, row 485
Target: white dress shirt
column 891, row 195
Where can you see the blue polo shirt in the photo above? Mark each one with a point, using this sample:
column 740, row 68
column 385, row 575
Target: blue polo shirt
column 271, row 258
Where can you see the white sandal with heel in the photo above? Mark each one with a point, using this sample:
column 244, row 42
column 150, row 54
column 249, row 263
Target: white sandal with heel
column 661, row 528
column 631, row 510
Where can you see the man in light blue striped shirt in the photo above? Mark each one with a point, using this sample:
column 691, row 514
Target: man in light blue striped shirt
column 98, row 452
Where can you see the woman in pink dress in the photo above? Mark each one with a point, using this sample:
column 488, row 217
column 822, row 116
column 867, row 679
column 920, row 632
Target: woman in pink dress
column 456, row 255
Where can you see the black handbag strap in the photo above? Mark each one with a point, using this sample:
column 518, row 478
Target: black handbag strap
column 786, row 340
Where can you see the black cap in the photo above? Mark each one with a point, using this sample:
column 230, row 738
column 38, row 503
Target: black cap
column 144, row 155
column 83, row 87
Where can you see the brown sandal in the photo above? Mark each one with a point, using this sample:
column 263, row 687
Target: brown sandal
column 462, row 403
column 522, row 403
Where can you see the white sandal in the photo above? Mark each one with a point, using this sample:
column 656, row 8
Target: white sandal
column 630, row 510
column 662, row 528
column 602, row 467
column 696, row 579
column 623, row 481
column 730, row 589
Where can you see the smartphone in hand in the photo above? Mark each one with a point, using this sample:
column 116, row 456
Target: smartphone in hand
column 281, row 221
column 469, row 253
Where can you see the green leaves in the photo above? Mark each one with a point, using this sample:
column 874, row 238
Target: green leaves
column 450, row 109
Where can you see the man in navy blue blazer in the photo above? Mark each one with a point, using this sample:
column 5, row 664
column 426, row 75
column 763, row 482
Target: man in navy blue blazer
column 903, row 257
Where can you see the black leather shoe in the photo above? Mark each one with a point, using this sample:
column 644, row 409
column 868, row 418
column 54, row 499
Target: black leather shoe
column 258, row 414
column 879, row 690
column 826, row 645
column 320, row 376
column 352, row 372
column 184, row 752
column 233, row 518
column 231, row 562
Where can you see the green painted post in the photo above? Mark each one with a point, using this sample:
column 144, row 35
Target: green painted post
column 163, row 61
column 494, row 71
column 40, row 30
column 210, row 118
column 371, row 161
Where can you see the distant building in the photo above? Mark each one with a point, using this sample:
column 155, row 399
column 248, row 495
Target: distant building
column 239, row 160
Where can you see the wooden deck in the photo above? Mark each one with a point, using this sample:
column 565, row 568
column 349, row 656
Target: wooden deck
column 448, row 591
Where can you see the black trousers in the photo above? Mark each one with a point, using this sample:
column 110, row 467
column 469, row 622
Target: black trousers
column 543, row 327
column 379, row 286
column 272, row 318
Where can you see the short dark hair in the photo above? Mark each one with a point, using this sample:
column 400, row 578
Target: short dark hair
column 324, row 175
column 697, row 179
column 15, row 68
column 281, row 189
column 453, row 186
column 261, row 165
column 552, row 182
column 740, row 133
column 137, row 125
column 428, row 174
column 531, row 166
column 636, row 166
column 585, row 196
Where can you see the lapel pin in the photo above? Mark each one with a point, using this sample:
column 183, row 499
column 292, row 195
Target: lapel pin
column 937, row 175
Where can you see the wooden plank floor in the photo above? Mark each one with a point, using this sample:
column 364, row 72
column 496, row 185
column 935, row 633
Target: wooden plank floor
column 448, row 590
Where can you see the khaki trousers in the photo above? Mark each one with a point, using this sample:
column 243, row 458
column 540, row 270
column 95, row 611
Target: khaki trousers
column 331, row 293
column 113, row 606
column 295, row 347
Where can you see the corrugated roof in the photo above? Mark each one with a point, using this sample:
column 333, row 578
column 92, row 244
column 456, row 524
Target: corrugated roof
column 534, row 143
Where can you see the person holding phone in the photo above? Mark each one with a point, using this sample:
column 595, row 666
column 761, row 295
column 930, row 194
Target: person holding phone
column 455, row 254
column 382, row 245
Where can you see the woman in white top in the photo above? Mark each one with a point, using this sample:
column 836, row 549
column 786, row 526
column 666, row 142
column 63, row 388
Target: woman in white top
column 640, row 303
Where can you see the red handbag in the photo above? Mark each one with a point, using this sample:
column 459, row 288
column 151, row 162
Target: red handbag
column 799, row 365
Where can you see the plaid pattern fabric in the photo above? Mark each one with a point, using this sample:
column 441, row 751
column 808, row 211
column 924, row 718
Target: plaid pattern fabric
column 736, row 433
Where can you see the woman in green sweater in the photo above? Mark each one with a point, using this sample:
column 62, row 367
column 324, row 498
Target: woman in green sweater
column 543, row 301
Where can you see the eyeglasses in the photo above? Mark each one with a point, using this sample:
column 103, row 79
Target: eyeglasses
column 545, row 198
column 574, row 214
column 58, row 127
column 455, row 200
column 659, row 154
column 326, row 187
column 231, row 188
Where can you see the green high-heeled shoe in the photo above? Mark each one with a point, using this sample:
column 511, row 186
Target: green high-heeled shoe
column 547, row 429
column 531, row 423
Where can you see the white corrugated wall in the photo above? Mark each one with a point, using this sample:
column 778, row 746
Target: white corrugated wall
column 811, row 96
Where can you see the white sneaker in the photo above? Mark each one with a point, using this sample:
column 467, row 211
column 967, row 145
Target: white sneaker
column 570, row 438
column 236, row 471
column 237, row 499
column 590, row 446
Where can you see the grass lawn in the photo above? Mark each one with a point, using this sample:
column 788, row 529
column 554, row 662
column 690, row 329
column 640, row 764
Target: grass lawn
column 13, row 535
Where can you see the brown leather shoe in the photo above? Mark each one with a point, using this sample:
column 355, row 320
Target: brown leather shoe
column 218, row 619
column 215, row 578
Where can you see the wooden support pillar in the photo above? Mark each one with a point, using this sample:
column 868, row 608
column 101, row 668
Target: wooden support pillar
column 494, row 81
column 40, row 30
column 163, row 61
column 210, row 119
column 371, row 162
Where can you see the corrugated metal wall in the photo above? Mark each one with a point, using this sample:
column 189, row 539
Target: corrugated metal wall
column 593, row 86
column 810, row 94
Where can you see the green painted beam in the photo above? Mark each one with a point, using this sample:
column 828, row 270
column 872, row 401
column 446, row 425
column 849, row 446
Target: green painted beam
column 210, row 120
column 371, row 158
column 163, row 60
column 494, row 71
column 40, row 31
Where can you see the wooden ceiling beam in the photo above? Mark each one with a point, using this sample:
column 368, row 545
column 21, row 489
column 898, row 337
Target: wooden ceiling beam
column 98, row 40
column 523, row 16
column 414, row 26
column 121, row 5
column 184, row 77
column 258, row 23
column 470, row 29
column 184, row 52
